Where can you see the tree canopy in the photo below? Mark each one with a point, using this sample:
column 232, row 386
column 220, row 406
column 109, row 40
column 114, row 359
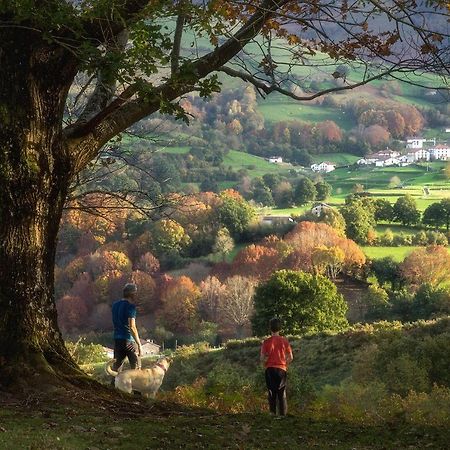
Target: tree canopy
column 78, row 73
column 304, row 302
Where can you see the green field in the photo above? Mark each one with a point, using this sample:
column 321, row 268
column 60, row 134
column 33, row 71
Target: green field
column 255, row 165
column 175, row 150
column 397, row 253
column 340, row 159
column 277, row 109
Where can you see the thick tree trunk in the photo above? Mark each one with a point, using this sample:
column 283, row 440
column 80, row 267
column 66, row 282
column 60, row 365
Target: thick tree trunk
column 35, row 172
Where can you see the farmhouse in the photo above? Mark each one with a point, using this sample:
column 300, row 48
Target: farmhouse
column 276, row 220
column 406, row 159
column 317, row 209
column 386, row 161
column 440, row 152
column 276, row 159
column 415, row 142
column 366, row 161
column 379, row 158
column 148, row 348
column 324, row 166
column 420, row 155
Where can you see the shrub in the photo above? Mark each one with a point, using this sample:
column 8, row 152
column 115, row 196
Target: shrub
column 86, row 355
column 420, row 238
column 304, row 302
column 387, row 238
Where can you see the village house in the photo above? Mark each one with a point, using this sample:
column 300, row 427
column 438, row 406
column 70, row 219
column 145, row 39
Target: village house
column 415, row 142
column 440, row 152
column 148, row 348
column 324, row 166
column 420, row 155
column 406, row 159
column 317, row 209
column 276, row 220
column 386, row 161
column 366, row 161
column 379, row 158
column 276, row 159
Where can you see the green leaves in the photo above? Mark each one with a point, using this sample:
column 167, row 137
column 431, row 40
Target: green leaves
column 304, row 302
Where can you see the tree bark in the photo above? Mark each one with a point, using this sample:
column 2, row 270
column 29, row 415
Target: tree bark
column 35, row 172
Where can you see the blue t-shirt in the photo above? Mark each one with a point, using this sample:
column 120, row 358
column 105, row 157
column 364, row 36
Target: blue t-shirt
column 122, row 310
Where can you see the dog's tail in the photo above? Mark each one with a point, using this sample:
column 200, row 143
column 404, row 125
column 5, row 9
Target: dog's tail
column 108, row 368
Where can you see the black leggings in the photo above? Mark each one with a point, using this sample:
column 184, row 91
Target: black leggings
column 125, row 349
column 276, row 385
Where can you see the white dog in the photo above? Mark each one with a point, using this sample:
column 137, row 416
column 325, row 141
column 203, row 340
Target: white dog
column 145, row 381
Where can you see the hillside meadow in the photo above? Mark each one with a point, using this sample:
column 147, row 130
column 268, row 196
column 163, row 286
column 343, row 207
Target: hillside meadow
column 374, row 386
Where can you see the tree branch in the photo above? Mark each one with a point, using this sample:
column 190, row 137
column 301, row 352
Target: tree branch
column 86, row 139
column 106, row 84
column 269, row 88
column 176, row 49
column 101, row 27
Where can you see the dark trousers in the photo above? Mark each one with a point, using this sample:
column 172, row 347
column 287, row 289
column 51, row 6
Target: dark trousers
column 276, row 385
column 125, row 349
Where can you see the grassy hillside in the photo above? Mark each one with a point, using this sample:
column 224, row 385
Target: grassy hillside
column 255, row 165
column 160, row 426
column 319, row 359
column 397, row 253
column 341, row 159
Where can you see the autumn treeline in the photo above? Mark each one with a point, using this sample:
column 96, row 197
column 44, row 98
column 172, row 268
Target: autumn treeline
column 232, row 119
column 96, row 257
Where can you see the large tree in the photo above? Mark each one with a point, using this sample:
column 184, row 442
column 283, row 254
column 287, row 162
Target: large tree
column 304, row 302
column 77, row 73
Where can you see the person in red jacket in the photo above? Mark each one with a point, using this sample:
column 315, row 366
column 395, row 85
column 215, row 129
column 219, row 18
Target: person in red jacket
column 276, row 355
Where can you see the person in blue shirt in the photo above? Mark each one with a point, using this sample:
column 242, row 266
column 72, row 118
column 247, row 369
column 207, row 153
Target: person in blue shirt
column 126, row 337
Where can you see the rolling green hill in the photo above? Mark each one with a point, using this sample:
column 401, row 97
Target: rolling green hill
column 255, row 165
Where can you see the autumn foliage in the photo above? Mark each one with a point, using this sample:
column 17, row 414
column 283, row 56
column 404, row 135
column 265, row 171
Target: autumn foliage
column 427, row 265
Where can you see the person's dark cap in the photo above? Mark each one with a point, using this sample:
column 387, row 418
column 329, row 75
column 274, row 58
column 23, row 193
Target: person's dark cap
column 129, row 288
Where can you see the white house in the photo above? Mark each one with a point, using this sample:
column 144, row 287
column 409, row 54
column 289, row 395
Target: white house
column 276, row 159
column 317, row 209
column 368, row 160
column 149, row 348
column 406, row 159
column 324, row 166
column 415, row 142
column 387, row 161
column 276, row 220
column 421, row 155
column 440, row 152
column 384, row 153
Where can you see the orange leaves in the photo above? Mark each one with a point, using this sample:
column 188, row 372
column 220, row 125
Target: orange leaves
column 307, row 236
column 256, row 261
column 427, row 265
column 231, row 193
column 180, row 300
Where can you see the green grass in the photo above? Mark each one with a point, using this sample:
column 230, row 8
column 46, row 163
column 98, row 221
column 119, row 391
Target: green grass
column 337, row 158
column 175, row 150
column 277, row 109
column 397, row 253
column 255, row 165
column 53, row 428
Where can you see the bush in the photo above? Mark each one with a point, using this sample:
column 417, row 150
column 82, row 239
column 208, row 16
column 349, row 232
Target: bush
column 401, row 239
column 436, row 238
column 304, row 302
column 387, row 238
column 420, row 238
column 86, row 354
